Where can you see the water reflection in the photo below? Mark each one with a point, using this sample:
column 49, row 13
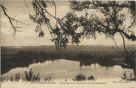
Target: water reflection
column 67, row 69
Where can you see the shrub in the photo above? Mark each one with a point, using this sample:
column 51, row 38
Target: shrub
column 17, row 77
column 80, row 77
column 91, row 77
column 30, row 76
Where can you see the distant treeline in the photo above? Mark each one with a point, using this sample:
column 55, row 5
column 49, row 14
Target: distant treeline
column 12, row 57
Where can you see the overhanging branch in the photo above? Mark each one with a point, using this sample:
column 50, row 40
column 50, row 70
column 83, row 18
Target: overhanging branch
column 11, row 20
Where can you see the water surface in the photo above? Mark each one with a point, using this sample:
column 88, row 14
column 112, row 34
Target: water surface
column 66, row 69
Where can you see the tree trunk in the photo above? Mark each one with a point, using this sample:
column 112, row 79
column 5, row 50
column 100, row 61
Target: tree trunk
column 131, row 63
column 124, row 46
column 134, row 69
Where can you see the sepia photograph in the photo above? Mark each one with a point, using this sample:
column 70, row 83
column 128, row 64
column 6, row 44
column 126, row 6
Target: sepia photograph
column 68, row 43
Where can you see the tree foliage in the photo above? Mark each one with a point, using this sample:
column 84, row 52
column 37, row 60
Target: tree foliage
column 71, row 28
column 114, row 17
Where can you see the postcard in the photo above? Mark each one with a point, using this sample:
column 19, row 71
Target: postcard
column 68, row 43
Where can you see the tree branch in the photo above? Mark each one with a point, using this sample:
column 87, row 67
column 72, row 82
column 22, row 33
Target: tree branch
column 11, row 20
column 25, row 3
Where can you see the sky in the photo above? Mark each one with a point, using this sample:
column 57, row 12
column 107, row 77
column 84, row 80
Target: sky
column 28, row 36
